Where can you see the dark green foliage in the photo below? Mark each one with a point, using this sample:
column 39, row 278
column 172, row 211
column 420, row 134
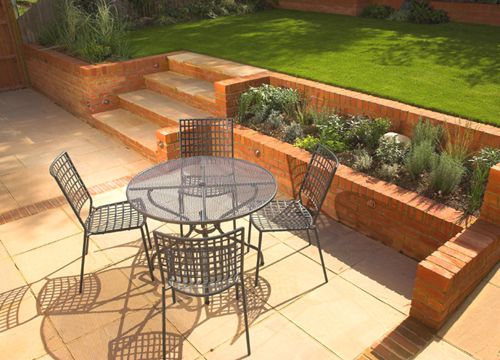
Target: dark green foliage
column 420, row 158
column 424, row 131
column 421, row 12
column 367, row 132
column 377, row 11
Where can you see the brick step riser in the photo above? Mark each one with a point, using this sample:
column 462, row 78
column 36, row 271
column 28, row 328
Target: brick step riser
column 192, row 100
column 134, row 145
column 196, row 72
column 161, row 120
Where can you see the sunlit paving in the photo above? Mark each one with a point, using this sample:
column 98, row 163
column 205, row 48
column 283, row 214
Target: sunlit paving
column 169, row 192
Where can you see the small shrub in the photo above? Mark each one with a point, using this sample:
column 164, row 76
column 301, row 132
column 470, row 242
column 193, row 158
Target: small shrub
column 446, row 174
column 376, row 11
column 402, row 15
column 362, row 160
column 275, row 120
column 424, row 131
column 260, row 101
column 369, row 132
column 388, row 172
column 390, row 151
column 308, row 143
column 292, row 132
column 420, row 158
column 421, row 12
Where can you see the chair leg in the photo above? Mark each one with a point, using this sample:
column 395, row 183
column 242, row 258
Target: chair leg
column 86, row 240
column 144, row 242
column 234, row 224
column 174, row 300
column 181, row 230
column 147, row 233
column 249, row 235
column 84, row 252
column 321, row 255
column 259, row 254
column 163, row 324
column 244, row 296
column 237, row 292
column 309, row 237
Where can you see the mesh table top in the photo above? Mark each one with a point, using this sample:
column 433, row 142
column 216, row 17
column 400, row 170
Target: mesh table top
column 201, row 190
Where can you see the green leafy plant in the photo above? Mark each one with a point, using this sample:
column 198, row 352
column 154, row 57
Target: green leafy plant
column 388, row 172
column 258, row 102
column 421, row 12
column 368, row 132
column 390, row 151
column 482, row 162
column 292, row 132
column 420, row 158
column 377, row 11
column 308, row 143
column 446, row 174
column 362, row 160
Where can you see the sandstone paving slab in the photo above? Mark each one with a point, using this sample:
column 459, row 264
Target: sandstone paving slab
column 343, row 317
column 494, row 277
column 439, row 349
column 37, row 230
column 274, row 338
column 475, row 326
column 387, row 275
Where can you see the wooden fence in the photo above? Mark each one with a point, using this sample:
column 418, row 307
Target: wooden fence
column 12, row 70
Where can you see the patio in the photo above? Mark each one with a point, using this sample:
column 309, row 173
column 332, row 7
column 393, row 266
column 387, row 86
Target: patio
column 292, row 313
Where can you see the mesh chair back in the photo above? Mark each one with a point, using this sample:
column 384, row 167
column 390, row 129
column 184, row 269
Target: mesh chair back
column 318, row 178
column 206, row 137
column 64, row 172
column 200, row 266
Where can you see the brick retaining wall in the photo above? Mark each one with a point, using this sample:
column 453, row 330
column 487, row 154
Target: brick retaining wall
column 488, row 14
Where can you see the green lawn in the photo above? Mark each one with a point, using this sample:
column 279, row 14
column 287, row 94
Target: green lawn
column 453, row 68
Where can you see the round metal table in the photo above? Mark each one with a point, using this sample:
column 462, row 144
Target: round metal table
column 201, row 190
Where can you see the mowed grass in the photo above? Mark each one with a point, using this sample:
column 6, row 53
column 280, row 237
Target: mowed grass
column 452, row 68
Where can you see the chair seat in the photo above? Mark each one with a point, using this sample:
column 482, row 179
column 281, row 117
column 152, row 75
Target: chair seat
column 113, row 217
column 282, row 215
column 201, row 289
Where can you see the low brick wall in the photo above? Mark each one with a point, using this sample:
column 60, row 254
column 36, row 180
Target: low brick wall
column 345, row 7
column 447, row 276
column 488, row 14
column 82, row 88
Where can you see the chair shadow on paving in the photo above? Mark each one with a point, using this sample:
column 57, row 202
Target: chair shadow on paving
column 106, row 294
column 10, row 303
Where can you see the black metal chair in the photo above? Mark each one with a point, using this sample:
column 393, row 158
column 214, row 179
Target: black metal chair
column 100, row 220
column 206, row 137
column 201, row 267
column 299, row 214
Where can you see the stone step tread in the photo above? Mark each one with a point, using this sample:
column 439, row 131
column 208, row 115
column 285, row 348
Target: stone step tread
column 163, row 105
column 130, row 125
column 226, row 67
column 185, row 84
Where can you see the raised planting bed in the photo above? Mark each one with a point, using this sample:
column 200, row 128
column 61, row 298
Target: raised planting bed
column 437, row 162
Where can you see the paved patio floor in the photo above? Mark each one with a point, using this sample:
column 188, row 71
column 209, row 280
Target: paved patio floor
column 293, row 314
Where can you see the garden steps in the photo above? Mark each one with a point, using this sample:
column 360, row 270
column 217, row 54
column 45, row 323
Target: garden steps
column 132, row 130
column 195, row 92
column 209, row 68
column 158, row 108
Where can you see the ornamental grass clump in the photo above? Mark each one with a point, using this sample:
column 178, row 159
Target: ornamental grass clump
column 420, row 158
column 446, row 174
column 94, row 36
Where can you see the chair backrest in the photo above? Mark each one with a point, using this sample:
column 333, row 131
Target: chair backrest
column 206, row 137
column 64, row 172
column 318, row 178
column 200, row 266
